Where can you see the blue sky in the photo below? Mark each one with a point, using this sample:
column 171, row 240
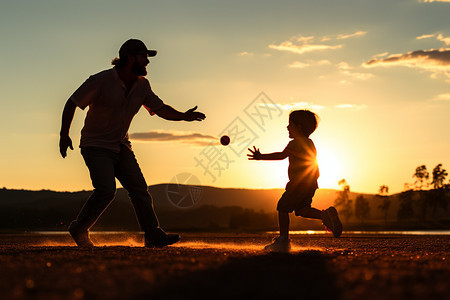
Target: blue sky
column 379, row 120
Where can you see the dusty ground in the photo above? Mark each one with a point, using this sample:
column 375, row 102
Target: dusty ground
column 207, row 266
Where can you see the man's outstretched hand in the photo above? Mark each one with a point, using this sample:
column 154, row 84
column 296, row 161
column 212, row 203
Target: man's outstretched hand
column 64, row 143
column 192, row 115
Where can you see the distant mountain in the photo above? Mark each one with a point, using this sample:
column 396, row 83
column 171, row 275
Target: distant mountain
column 170, row 196
column 42, row 210
column 165, row 197
column 204, row 207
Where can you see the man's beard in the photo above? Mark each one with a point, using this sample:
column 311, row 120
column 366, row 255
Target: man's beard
column 139, row 70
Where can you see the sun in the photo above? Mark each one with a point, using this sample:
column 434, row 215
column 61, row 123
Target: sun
column 331, row 170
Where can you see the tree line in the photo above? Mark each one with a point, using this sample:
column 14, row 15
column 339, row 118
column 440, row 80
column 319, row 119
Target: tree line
column 428, row 193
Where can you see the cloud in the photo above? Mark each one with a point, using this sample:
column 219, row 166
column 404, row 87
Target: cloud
column 351, row 106
column 304, row 39
column 315, row 107
column 301, row 49
column 430, row 1
column 245, row 53
column 301, row 105
column 425, row 36
column 193, row 138
column 323, row 62
column 303, row 44
column 443, row 97
column 297, row 105
column 345, row 68
column 301, row 65
column 346, row 36
column 444, row 39
column 343, row 36
column 381, row 54
column 298, row 65
column 439, row 37
column 356, row 75
column 436, row 61
column 312, row 106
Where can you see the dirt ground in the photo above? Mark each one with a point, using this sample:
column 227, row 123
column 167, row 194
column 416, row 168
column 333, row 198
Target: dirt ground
column 225, row 266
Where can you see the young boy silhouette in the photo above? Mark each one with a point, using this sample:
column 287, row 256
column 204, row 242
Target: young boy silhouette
column 303, row 173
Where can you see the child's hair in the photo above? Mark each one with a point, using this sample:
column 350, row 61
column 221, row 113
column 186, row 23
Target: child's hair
column 306, row 121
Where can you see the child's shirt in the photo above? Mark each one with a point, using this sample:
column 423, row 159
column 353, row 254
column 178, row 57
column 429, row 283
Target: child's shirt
column 303, row 168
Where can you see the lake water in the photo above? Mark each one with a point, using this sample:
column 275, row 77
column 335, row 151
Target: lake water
column 410, row 232
column 293, row 232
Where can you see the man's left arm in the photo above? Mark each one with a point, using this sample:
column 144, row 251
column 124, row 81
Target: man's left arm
column 169, row 113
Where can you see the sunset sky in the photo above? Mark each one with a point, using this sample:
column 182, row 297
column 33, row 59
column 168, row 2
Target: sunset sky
column 376, row 72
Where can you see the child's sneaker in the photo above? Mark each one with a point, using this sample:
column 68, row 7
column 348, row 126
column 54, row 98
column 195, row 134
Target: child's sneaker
column 330, row 219
column 279, row 244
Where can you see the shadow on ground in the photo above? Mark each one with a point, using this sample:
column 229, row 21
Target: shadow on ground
column 268, row 276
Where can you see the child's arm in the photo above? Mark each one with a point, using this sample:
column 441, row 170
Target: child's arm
column 256, row 155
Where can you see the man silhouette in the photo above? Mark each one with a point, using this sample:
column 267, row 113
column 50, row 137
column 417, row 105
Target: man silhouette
column 114, row 96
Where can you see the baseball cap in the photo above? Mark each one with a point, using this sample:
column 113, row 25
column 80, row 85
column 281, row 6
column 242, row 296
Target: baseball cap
column 133, row 47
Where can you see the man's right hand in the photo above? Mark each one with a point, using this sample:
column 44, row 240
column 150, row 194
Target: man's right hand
column 64, row 143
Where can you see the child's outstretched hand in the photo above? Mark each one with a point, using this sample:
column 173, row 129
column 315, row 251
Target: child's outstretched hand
column 255, row 154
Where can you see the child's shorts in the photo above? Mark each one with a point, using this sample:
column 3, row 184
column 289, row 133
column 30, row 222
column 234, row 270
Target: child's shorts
column 295, row 198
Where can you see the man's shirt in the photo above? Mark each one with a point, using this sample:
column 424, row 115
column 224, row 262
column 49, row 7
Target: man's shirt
column 111, row 109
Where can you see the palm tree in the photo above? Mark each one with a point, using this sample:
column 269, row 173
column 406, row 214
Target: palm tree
column 343, row 200
column 384, row 190
column 384, row 207
column 422, row 177
column 362, row 208
column 421, row 182
column 406, row 210
column 438, row 196
column 439, row 175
